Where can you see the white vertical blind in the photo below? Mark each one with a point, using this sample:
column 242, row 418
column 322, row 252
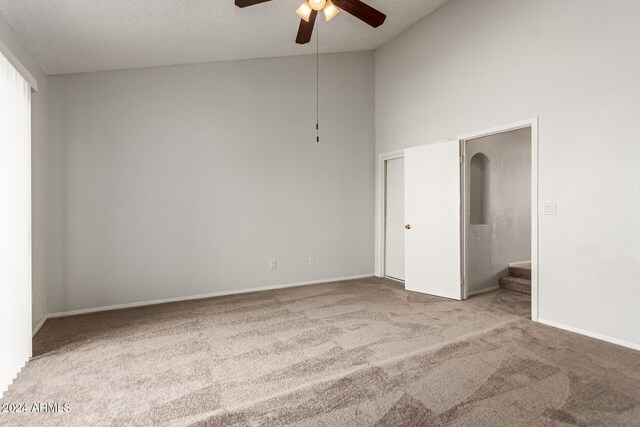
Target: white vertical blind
column 15, row 222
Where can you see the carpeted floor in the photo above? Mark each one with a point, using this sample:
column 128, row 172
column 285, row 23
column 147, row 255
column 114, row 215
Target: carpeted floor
column 353, row 353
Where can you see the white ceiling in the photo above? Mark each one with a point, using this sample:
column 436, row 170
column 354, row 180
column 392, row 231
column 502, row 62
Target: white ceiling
column 71, row 36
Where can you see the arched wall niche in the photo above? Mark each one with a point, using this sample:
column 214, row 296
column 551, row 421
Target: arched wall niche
column 479, row 190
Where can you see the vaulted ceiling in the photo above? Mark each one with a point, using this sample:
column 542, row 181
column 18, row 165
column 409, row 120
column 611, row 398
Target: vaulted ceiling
column 71, row 36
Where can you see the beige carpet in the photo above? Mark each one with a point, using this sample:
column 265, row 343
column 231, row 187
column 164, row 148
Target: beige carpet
column 354, row 353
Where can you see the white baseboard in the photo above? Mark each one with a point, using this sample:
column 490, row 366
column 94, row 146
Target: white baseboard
column 482, row 291
column 202, row 296
column 590, row 334
column 39, row 325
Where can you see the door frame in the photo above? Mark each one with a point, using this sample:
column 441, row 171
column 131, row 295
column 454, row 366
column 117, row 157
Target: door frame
column 532, row 123
column 381, row 188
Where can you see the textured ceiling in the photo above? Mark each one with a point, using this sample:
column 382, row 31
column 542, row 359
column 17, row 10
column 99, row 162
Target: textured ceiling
column 70, row 36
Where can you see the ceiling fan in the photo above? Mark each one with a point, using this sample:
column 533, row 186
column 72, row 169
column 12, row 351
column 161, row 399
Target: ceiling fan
column 310, row 8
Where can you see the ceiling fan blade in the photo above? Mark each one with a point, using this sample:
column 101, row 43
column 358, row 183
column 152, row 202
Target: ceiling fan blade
column 306, row 28
column 245, row 3
column 362, row 11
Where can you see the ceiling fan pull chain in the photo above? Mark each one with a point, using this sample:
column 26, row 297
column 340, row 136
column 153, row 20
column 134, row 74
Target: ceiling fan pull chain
column 318, row 82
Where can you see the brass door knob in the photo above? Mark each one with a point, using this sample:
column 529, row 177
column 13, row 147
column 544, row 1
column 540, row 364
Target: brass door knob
column 408, row 226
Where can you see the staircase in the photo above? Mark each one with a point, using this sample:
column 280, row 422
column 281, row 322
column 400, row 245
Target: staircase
column 519, row 278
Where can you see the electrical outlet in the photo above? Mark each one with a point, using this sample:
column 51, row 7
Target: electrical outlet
column 311, row 260
column 273, row 264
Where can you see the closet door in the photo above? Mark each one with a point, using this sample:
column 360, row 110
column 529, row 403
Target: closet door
column 432, row 212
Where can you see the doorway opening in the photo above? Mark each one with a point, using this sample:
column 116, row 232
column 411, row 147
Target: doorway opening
column 456, row 193
column 394, row 227
column 499, row 211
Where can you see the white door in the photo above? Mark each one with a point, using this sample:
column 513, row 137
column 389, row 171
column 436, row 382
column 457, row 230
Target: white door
column 394, row 219
column 432, row 211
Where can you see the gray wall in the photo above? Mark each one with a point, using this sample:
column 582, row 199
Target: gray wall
column 474, row 65
column 187, row 180
column 506, row 237
column 39, row 174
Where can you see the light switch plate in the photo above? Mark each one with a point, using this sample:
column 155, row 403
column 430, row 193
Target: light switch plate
column 550, row 209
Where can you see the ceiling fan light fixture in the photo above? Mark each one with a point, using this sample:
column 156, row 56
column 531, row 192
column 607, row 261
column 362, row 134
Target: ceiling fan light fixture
column 304, row 11
column 317, row 4
column 330, row 11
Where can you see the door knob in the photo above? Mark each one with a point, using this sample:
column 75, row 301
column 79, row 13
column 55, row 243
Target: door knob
column 408, row 226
